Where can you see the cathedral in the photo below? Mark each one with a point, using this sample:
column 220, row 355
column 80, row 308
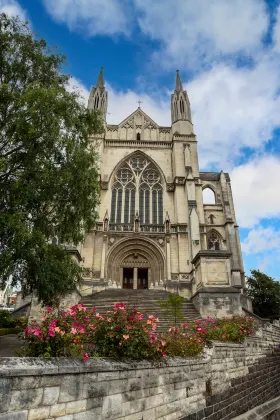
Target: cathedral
column 162, row 224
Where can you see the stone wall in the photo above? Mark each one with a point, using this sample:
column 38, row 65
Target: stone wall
column 229, row 380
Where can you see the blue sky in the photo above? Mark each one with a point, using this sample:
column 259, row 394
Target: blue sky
column 228, row 53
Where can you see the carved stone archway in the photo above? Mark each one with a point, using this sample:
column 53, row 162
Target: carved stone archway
column 135, row 252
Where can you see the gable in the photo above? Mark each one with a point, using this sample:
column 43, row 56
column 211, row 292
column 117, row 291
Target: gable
column 138, row 119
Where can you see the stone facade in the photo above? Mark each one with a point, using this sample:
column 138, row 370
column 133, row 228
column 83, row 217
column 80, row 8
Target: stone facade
column 228, row 381
column 154, row 228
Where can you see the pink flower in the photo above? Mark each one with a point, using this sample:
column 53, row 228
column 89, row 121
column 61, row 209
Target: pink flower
column 163, row 343
column 62, row 332
column 119, row 305
column 126, row 336
column 51, row 332
column 81, row 330
column 37, row 331
column 73, row 331
column 164, row 354
column 48, row 309
column 53, row 324
column 91, row 327
column 140, row 317
column 85, row 356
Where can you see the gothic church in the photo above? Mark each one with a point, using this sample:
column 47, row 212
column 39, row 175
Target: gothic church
column 156, row 227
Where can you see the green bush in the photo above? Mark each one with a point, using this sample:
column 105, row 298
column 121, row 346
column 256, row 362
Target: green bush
column 6, row 319
column 5, row 331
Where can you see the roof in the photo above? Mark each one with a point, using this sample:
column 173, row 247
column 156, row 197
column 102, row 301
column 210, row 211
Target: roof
column 212, row 176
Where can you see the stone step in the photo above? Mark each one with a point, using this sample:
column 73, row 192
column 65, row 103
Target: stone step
column 147, row 301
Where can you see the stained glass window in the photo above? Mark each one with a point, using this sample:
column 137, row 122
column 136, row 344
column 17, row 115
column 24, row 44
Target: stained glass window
column 137, row 178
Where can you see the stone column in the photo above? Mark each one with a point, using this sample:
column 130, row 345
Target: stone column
column 135, row 277
column 103, row 255
column 121, row 277
column 168, row 259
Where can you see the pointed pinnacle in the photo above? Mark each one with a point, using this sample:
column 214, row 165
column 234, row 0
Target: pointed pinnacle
column 100, row 80
column 179, row 85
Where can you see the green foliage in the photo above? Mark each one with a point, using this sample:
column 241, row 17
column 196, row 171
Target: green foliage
column 234, row 329
column 178, row 343
column 125, row 332
column 49, row 182
column 265, row 294
column 13, row 330
column 6, row 319
column 173, row 306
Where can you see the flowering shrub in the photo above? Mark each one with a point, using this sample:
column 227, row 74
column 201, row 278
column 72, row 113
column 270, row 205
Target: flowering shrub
column 177, row 342
column 122, row 332
column 234, row 329
column 125, row 332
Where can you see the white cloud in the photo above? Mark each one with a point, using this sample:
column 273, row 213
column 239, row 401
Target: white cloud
column 89, row 17
column 255, row 188
column 261, row 239
column 234, row 108
column 276, row 31
column 192, row 32
column 13, row 8
column 122, row 103
column 75, row 85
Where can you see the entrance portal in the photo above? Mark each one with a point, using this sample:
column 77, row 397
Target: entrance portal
column 142, row 282
column 128, row 278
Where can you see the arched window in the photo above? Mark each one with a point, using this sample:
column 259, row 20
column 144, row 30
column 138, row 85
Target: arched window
column 182, row 108
column 208, row 196
column 213, row 242
column 138, row 188
column 96, row 102
column 138, row 137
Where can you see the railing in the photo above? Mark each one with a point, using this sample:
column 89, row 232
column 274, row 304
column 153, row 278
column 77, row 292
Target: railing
column 130, row 227
column 121, row 227
column 152, row 228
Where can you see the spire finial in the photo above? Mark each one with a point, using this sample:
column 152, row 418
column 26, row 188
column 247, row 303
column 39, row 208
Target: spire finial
column 179, row 85
column 100, row 80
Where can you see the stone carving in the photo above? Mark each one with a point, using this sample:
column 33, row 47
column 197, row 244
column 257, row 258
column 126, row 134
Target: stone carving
column 161, row 241
column 179, row 180
column 170, row 186
column 111, row 240
column 104, row 185
column 174, row 276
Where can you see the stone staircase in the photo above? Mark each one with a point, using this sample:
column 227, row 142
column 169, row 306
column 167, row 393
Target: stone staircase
column 145, row 300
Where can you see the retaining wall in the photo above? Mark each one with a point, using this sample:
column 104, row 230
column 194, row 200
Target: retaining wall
column 230, row 380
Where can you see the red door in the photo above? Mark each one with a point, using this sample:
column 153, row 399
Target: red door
column 128, row 278
column 142, row 281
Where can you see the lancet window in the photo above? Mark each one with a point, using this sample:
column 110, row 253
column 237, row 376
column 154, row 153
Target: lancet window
column 213, row 241
column 137, row 187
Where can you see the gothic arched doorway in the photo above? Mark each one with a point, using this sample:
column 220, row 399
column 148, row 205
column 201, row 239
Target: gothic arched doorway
column 135, row 263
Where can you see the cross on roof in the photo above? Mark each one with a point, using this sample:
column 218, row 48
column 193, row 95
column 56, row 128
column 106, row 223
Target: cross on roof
column 139, row 102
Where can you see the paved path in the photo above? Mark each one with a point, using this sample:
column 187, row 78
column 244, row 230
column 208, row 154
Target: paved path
column 8, row 344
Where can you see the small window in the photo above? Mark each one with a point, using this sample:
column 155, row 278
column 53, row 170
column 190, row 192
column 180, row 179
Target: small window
column 211, row 219
column 213, row 242
column 208, row 196
column 138, row 136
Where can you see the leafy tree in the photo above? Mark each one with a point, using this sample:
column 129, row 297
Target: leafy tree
column 265, row 294
column 173, row 306
column 48, row 165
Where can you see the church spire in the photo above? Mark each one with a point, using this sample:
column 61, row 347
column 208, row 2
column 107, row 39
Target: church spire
column 179, row 86
column 100, row 80
column 98, row 98
column 180, row 104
